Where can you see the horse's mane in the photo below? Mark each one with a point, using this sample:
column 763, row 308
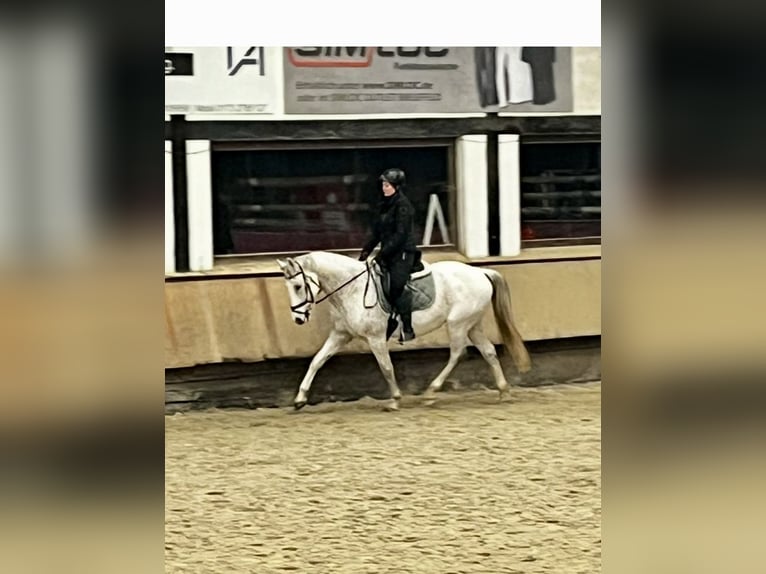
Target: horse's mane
column 318, row 260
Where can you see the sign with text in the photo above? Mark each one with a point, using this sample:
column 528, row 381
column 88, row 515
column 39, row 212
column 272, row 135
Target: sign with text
column 365, row 80
column 226, row 79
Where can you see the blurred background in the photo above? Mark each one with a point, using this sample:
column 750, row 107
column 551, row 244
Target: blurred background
column 683, row 288
column 81, row 304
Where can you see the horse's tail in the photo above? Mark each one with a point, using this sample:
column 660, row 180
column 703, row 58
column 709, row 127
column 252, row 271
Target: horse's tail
column 501, row 303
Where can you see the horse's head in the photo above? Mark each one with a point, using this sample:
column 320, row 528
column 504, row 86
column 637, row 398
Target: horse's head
column 302, row 286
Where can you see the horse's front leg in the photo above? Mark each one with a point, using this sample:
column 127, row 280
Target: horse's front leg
column 380, row 350
column 332, row 345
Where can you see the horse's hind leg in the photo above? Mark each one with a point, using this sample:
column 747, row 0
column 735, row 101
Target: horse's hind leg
column 458, row 341
column 332, row 345
column 487, row 350
column 380, row 350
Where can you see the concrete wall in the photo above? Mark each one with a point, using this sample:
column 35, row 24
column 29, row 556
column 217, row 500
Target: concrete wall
column 248, row 318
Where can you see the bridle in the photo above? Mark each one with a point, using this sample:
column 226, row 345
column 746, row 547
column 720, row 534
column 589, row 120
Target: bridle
column 309, row 300
column 309, row 293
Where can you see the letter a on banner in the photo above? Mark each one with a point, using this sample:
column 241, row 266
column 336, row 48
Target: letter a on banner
column 434, row 211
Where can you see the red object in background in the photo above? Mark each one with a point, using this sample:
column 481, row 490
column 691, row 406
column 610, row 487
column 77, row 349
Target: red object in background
column 528, row 233
column 325, row 58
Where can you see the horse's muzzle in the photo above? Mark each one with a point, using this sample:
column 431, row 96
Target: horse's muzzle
column 299, row 321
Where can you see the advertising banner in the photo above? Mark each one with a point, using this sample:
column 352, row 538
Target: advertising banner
column 225, row 79
column 365, row 80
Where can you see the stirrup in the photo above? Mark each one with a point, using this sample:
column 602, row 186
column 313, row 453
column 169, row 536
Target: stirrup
column 405, row 336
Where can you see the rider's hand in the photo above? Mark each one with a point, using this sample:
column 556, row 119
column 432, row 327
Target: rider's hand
column 364, row 256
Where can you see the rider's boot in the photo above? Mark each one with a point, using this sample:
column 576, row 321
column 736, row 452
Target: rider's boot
column 405, row 313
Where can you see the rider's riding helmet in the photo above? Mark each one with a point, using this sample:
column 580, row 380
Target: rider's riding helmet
column 394, row 176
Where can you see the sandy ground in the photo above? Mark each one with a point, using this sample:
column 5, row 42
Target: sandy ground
column 468, row 485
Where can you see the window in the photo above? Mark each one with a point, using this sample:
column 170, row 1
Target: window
column 560, row 191
column 281, row 200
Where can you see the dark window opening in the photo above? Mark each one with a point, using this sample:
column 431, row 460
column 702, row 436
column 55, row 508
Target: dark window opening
column 560, row 191
column 282, row 200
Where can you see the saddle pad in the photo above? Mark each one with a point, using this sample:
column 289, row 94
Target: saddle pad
column 420, row 288
column 422, row 273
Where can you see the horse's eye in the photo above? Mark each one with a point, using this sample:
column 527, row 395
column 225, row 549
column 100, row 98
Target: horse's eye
column 297, row 288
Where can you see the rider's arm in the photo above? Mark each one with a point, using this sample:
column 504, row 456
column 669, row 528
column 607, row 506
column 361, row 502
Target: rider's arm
column 374, row 239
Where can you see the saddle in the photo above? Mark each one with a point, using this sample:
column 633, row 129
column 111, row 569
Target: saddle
column 420, row 289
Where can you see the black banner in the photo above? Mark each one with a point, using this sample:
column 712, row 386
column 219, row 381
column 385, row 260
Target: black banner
column 178, row 64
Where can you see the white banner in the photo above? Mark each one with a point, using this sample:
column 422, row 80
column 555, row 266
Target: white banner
column 225, row 79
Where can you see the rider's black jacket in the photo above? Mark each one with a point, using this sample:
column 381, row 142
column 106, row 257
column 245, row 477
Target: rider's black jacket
column 393, row 228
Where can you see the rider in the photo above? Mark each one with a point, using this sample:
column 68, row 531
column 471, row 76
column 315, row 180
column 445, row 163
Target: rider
column 398, row 254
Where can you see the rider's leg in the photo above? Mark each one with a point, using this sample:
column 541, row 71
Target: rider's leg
column 400, row 273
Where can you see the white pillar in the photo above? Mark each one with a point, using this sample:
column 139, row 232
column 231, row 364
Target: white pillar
column 200, row 205
column 509, row 177
column 170, row 240
column 472, row 217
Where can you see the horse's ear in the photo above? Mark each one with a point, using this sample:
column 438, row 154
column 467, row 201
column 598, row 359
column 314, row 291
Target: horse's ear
column 287, row 265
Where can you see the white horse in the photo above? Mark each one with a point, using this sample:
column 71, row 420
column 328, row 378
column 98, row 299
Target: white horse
column 463, row 294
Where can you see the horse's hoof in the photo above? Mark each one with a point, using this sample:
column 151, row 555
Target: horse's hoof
column 298, row 405
column 429, row 401
column 392, row 406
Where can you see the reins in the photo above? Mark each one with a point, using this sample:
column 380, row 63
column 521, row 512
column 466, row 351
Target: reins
column 310, row 293
column 354, row 278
